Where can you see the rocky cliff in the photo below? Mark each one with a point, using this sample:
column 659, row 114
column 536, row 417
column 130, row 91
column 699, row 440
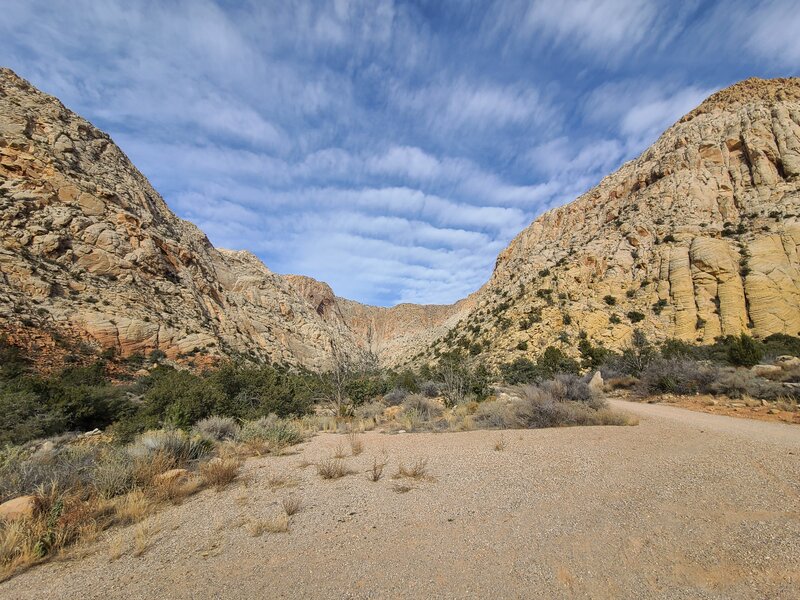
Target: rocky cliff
column 91, row 256
column 697, row 238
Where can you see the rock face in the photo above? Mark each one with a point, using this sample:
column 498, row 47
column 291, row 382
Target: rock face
column 89, row 252
column 698, row 237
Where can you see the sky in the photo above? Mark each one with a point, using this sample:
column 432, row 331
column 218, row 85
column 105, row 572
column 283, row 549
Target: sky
column 390, row 148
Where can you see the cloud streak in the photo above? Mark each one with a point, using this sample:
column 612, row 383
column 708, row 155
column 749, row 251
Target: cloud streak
column 391, row 148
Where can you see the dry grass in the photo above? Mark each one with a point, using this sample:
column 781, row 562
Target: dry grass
column 332, row 468
column 340, row 452
column 304, row 462
column 279, row 480
column 291, row 504
column 220, row 472
column 142, row 537
column 376, row 472
column 276, row 524
column 175, row 491
column 116, row 547
column 132, row 507
column 500, row 443
column 356, row 444
column 417, row 470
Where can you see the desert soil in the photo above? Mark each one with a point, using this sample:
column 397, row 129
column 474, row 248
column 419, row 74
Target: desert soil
column 684, row 505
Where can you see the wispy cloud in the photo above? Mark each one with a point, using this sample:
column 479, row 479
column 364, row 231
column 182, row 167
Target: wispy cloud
column 403, row 142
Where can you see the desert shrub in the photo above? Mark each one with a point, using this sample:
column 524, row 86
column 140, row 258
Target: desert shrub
column 538, row 408
column 744, row 351
column 677, row 376
column 566, row 387
column 396, row 396
column 366, row 388
column 23, row 472
column 554, row 361
column 492, row 415
column 217, row 428
column 175, row 444
column 610, row 300
column 779, row 344
column 219, row 472
column 633, row 360
column 271, row 430
column 634, row 316
column 427, row 408
column 592, row 357
column 550, row 363
column 520, row 370
column 736, row 383
column 78, row 398
column 429, row 389
column 371, row 411
column 332, row 468
column 113, row 473
column 679, row 349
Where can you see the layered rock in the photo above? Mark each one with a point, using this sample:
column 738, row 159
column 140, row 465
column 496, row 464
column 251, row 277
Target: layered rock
column 699, row 236
column 89, row 252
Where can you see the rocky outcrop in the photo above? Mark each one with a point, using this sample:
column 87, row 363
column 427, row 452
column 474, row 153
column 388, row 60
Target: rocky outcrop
column 696, row 238
column 89, row 252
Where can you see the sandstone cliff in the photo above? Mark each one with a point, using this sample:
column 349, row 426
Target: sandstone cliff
column 698, row 237
column 89, row 252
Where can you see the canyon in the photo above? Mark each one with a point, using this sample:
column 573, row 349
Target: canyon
column 696, row 238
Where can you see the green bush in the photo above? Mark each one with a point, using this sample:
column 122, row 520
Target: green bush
column 635, row 316
column 744, row 351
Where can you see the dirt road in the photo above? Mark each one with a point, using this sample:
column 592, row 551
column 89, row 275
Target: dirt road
column 685, row 505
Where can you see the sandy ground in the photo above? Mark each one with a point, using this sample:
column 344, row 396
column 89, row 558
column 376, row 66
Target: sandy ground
column 685, row 505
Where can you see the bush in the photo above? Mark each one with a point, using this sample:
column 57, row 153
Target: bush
column 426, row 408
column 217, row 428
column 635, row 316
column 677, row 376
column 566, row 387
column 539, row 407
column 736, row 383
column 271, row 430
column 610, row 300
column 395, row 397
column 429, row 389
column 744, row 351
column 371, row 411
column 521, row 370
column 554, row 361
column 175, row 445
column 493, row 415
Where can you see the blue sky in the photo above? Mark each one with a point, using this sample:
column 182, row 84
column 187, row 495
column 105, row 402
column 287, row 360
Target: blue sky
column 389, row 148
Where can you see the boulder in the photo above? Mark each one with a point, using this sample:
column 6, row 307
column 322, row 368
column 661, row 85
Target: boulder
column 171, row 476
column 766, row 370
column 22, row 507
column 596, row 383
column 787, row 362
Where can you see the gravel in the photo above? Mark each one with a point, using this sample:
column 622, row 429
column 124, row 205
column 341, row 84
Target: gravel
column 684, row 505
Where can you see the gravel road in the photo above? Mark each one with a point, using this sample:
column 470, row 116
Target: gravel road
column 684, row 505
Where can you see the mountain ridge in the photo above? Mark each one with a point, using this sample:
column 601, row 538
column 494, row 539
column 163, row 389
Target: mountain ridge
column 689, row 232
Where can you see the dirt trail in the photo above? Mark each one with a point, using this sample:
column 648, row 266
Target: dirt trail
column 685, row 505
